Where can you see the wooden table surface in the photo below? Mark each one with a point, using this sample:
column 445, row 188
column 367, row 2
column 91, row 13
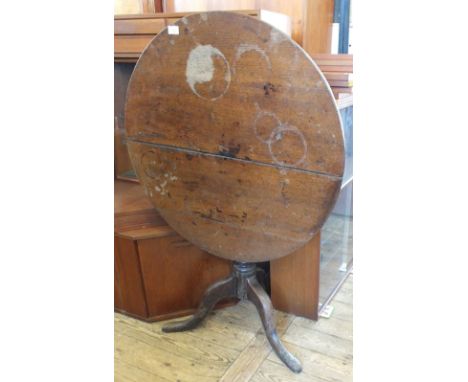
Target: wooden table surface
column 235, row 136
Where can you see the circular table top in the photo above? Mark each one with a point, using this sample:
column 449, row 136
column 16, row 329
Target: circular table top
column 235, row 136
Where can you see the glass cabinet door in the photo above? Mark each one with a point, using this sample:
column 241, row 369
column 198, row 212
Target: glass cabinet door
column 336, row 242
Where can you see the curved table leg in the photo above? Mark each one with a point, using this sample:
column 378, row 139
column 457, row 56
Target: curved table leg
column 216, row 292
column 258, row 296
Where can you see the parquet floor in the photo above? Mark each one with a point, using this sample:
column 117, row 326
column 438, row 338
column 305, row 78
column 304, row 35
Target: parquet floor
column 230, row 346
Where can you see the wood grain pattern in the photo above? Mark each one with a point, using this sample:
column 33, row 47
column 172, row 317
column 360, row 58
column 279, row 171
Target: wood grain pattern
column 133, row 33
column 132, row 209
column 130, row 288
column 279, row 219
column 131, row 43
column 151, row 357
column 295, row 281
column 261, row 80
column 255, row 353
column 317, row 365
column 239, row 147
column 310, row 19
column 181, row 346
column 180, row 275
column 318, row 21
column 324, row 343
column 139, row 26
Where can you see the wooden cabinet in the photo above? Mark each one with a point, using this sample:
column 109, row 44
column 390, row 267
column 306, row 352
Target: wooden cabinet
column 157, row 274
column 162, row 277
column 176, row 274
column 294, row 281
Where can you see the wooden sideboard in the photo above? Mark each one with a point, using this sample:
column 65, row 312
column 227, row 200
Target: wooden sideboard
column 157, row 274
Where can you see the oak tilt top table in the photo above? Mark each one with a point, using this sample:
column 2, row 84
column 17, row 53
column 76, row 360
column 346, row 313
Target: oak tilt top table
column 235, row 136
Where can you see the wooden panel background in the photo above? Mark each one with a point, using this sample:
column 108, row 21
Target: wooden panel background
column 133, row 32
column 300, row 273
column 311, row 19
column 318, row 20
column 126, row 7
column 292, row 8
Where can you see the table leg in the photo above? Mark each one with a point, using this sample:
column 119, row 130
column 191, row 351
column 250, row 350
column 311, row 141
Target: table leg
column 216, row 292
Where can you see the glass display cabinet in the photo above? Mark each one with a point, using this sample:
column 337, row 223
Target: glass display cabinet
column 336, row 246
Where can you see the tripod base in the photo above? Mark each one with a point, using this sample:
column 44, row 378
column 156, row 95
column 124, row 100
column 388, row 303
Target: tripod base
column 243, row 284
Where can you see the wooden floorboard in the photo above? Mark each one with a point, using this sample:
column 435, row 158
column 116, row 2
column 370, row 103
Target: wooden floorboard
column 256, row 352
column 231, row 346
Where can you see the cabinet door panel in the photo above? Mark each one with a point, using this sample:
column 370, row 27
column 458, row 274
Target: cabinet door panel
column 131, row 295
column 176, row 274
